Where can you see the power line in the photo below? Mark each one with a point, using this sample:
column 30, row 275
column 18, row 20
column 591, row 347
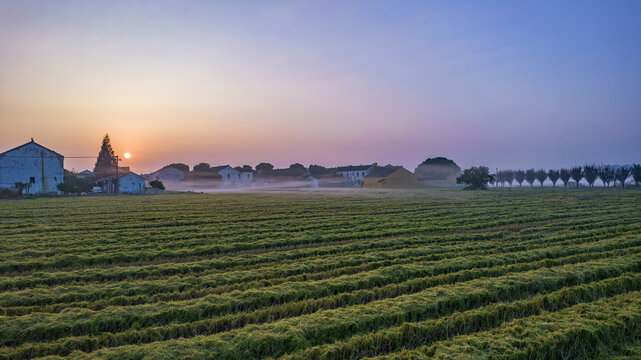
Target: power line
column 49, row 157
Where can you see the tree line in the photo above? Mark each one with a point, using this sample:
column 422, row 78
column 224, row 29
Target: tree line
column 589, row 172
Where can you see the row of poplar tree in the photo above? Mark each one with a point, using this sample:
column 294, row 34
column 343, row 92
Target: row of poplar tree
column 590, row 173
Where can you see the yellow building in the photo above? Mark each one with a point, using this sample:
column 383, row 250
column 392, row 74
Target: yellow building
column 391, row 177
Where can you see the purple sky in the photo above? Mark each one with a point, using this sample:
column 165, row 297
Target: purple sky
column 503, row 84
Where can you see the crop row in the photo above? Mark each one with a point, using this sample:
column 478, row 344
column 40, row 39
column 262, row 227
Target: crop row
column 585, row 330
column 438, row 244
column 292, row 334
column 411, row 335
column 164, row 270
column 63, row 259
column 191, row 240
column 106, row 235
column 275, row 312
column 132, row 293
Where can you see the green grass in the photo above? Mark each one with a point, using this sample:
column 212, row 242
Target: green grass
column 514, row 274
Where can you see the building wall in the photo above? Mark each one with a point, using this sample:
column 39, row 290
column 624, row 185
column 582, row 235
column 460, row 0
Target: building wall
column 399, row 179
column 231, row 176
column 246, row 178
column 167, row 174
column 132, row 183
column 32, row 164
column 354, row 178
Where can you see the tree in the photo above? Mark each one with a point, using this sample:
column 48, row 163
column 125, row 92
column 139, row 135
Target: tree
column 475, row 177
column 157, row 184
column 202, row 167
column 106, row 163
column 247, row 168
column 297, row 166
column 541, row 175
column 437, row 168
column 621, row 174
column 264, row 169
column 439, row 160
column 20, row 186
column 67, row 187
column 576, row 173
column 636, row 174
column 318, row 170
column 498, row 178
column 508, row 176
column 565, row 176
column 590, row 173
column 530, row 176
column 554, row 176
column 519, row 175
column 71, row 184
column 606, row 173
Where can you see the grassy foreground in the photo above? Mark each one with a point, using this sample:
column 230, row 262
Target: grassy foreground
column 510, row 274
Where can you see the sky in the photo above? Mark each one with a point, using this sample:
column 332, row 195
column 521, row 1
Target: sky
column 508, row 84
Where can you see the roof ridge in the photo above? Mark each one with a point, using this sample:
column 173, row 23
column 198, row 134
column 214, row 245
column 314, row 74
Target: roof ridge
column 29, row 143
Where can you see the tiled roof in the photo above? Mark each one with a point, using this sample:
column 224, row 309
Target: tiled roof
column 353, row 168
column 382, row 171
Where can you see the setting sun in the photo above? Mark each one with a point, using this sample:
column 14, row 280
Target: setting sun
column 127, row 155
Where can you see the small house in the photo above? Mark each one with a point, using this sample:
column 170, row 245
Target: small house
column 129, row 183
column 354, row 175
column 167, row 174
column 391, row 177
column 231, row 176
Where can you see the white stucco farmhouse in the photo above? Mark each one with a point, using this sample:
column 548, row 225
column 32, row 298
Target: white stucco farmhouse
column 129, row 183
column 354, row 175
column 40, row 168
column 231, row 176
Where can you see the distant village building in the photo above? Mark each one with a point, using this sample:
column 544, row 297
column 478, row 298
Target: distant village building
column 129, row 183
column 231, row 176
column 354, row 175
column 167, row 174
column 41, row 168
column 391, row 177
column 85, row 174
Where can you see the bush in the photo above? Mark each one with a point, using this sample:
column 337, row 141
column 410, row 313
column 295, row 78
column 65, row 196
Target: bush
column 8, row 194
column 475, row 178
column 157, row 184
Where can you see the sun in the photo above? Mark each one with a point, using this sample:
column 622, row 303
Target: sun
column 127, row 155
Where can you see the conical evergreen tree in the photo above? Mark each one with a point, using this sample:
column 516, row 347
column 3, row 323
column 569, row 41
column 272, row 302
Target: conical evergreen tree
column 106, row 163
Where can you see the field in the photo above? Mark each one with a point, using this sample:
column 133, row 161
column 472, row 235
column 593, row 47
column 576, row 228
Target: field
column 510, row 274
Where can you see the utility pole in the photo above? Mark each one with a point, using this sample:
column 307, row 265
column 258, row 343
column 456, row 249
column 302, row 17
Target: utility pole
column 117, row 190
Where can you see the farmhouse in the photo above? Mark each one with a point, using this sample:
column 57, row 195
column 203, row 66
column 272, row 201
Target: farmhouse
column 40, row 168
column 391, row 177
column 129, row 183
column 354, row 175
column 167, row 174
column 231, row 176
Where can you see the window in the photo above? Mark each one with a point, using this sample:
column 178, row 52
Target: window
column 55, row 178
column 32, row 180
column 228, row 176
